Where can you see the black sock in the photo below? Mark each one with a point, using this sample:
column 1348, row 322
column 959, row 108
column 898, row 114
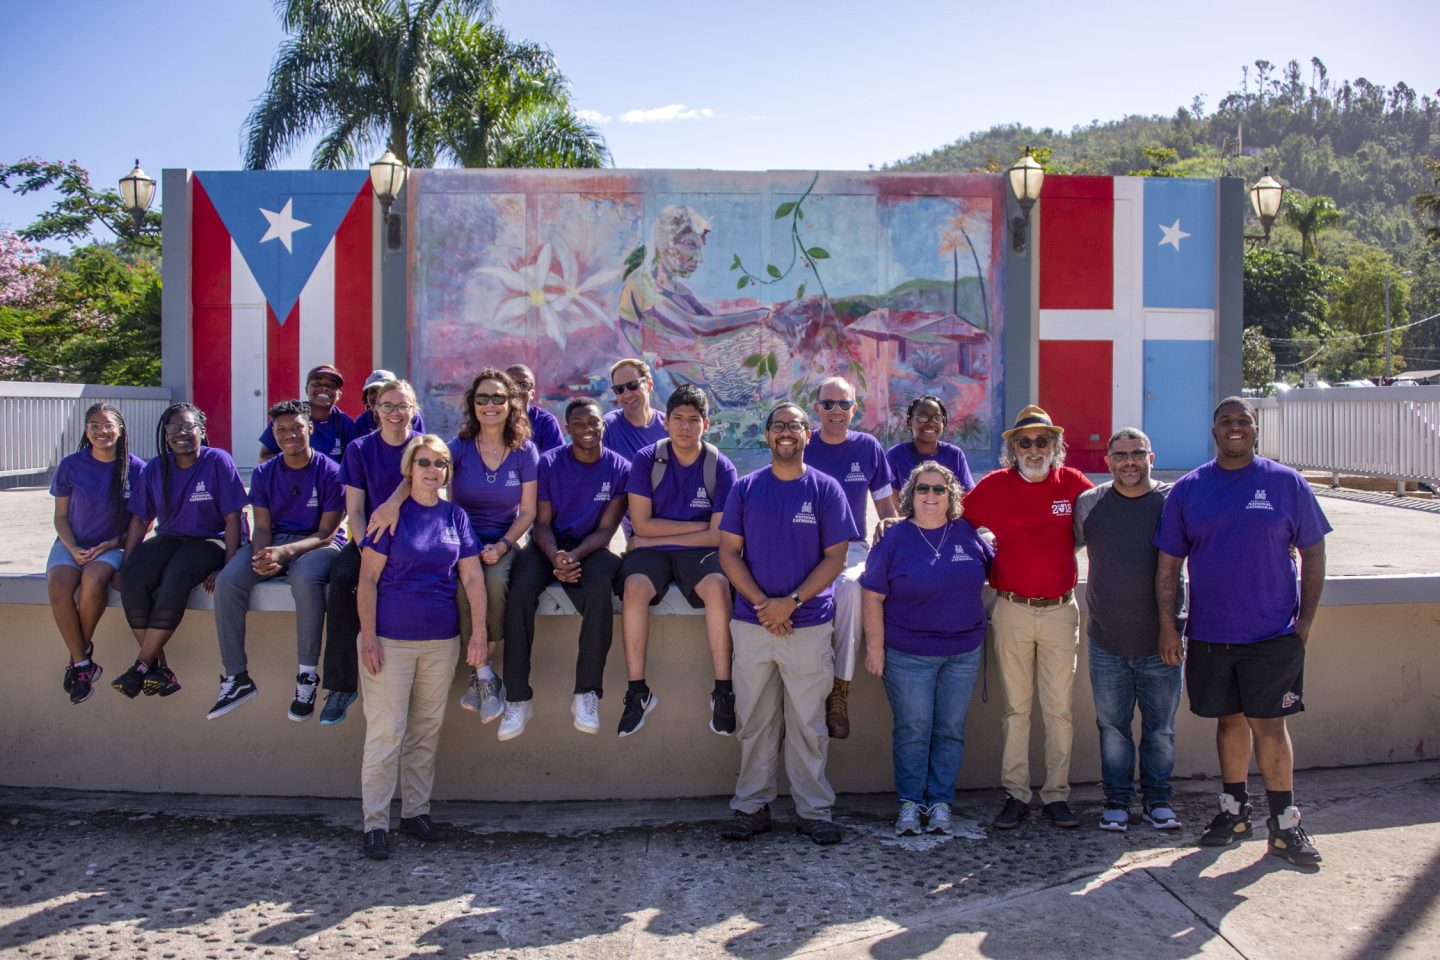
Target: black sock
column 724, row 686
column 1279, row 800
column 1238, row 791
column 638, row 687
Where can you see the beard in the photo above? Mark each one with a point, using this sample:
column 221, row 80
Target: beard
column 1036, row 473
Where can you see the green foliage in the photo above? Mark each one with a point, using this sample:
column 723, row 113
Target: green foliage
column 432, row 80
column 1428, row 204
column 79, row 207
column 1285, row 297
column 799, row 254
column 1162, row 162
column 1356, row 347
column 1257, row 361
column 1309, row 215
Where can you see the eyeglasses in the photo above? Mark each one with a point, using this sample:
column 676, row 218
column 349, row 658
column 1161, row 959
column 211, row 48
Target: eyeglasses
column 425, row 463
column 1040, row 443
column 395, row 407
column 1122, row 455
column 790, row 426
column 832, row 404
column 178, row 429
column 101, row 426
column 931, row 488
column 929, row 418
column 524, row 384
column 622, row 388
column 491, row 399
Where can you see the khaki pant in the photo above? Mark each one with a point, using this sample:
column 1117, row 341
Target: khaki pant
column 404, row 707
column 1036, row 649
column 780, row 688
column 497, row 588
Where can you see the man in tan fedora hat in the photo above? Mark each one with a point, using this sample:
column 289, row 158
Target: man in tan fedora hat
column 1029, row 505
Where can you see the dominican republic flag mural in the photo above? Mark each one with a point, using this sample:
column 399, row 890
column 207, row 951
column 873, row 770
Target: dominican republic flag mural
column 1127, row 319
column 282, row 278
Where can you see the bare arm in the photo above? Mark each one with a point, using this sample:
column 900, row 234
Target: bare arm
column 386, row 515
column 66, row 533
column 885, row 509
column 472, row 578
column 372, row 563
column 232, row 545
column 872, row 617
column 653, row 531
column 1312, row 584
column 604, row 531
column 1167, row 592
column 359, row 520
column 524, row 518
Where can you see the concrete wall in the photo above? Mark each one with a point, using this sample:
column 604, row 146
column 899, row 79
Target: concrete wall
column 1371, row 683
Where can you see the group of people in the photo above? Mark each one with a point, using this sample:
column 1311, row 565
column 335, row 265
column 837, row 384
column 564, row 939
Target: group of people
column 403, row 551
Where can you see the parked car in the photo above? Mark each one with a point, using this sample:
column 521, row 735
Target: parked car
column 1354, row 383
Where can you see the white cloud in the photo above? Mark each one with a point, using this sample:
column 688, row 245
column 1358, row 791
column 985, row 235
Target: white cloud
column 666, row 114
column 593, row 116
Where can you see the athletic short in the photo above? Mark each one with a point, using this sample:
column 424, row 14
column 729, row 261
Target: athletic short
column 685, row 568
column 60, row 557
column 1260, row 680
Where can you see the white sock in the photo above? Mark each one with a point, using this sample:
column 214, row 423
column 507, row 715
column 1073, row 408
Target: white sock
column 309, row 669
column 81, row 664
column 485, row 673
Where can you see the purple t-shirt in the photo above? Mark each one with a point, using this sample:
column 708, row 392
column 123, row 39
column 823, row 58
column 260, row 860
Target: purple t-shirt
column 490, row 497
column 1237, row 527
column 933, row 605
column 415, row 599
column 904, row 458
column 201, row 495
column 329, row 437
column 626, row 440
column 682, row 494
column 373, row 465
column 86, row 481
column 858, row 463
column 787, row 524
column 297, row 498
column 544, row 429
column 365, row 423
column 578, row 493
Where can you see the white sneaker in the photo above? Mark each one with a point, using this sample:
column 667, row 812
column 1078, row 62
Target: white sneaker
column 908, row 823
column 585, row 708
column 514, row 719
column 938, row 819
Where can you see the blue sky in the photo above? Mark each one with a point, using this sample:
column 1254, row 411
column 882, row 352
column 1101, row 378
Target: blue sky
column 744, row 84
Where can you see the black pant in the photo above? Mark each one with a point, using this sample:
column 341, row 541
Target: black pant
column 159, row 576
column 592, row 596
column 342, row 624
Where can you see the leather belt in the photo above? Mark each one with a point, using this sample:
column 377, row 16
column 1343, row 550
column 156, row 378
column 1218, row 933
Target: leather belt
column 1066, row 597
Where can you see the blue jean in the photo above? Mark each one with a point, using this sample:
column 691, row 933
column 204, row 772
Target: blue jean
column 1119, row 683
column 929, row 697
column 307, row 575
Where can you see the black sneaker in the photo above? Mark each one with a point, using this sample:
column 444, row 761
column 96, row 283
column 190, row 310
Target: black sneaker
column 1058, row 812
column 637, row 708
column 307, row 687
column 377, row 844
column 82, row 683
column 160, row 681
column 743, row 825
column 1011, row 814
column 1231, row 824
column 132, row 681
column 70, row 672
column 1290, row 843
column 337, row 704
column 823, row 832
column 722, row 712
column 233, row 692
column 423, row 828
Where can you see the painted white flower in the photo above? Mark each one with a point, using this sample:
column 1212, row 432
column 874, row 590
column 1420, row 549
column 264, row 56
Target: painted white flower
column 581, row 301
column 529, row 295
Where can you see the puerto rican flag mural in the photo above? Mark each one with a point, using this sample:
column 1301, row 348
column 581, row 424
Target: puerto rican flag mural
column 283, row 277
column 1128, row 288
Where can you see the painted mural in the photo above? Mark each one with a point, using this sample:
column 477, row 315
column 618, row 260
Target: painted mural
column 754, row 286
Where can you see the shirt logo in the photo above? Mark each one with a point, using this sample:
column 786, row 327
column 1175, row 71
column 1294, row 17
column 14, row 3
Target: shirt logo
column 702, row 499
column 603, row 494
column 855, row 474
column 1261, row 501
column 960, row 554
column 335, row 448
column 512, row 479
column 1060, row 508
column 314, row 500
column 806, row 514
column 200, row 494
column 451, row 536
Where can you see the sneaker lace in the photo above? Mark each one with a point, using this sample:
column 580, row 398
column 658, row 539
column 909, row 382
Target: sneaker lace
column 589, row 705
column 939, row 811
column 227, row 686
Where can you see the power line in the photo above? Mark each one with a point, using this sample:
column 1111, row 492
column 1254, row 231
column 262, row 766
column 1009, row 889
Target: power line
column 1353, row 336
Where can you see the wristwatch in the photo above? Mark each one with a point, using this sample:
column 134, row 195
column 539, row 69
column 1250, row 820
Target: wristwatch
column 795, row 595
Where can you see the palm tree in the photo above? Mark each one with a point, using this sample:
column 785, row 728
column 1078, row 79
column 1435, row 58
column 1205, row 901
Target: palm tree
column 1310, row 215
column 433, row 80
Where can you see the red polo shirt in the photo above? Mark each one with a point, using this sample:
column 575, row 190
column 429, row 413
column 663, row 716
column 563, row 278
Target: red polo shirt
column 1033, row 527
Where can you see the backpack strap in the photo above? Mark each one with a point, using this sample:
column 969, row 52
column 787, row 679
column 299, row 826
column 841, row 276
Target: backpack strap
column 710, row 467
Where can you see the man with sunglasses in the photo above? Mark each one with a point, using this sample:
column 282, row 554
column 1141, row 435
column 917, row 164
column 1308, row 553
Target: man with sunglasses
column 1116, row 523
column 784, row 536
column 332, row 427
column 1029, row 505
column 544, row 428
column 857, row 462
column 635, row 425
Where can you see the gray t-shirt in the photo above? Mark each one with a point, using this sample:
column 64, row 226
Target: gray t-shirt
column 1118, row 534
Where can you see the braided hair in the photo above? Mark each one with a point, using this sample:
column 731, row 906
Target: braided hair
column 120, row 476
column 165, row 455
column 910, row 410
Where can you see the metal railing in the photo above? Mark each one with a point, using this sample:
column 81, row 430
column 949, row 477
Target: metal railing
column 1391, row 432
column 42, row 422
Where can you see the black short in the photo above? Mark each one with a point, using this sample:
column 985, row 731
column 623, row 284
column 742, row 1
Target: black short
column 1260, row 680
column 686, row 568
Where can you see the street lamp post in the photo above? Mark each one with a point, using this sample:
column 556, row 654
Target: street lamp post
column 137, row 189
column 387, row 176
column 1406, row 273
column 1265, row 197
column 1026, row 177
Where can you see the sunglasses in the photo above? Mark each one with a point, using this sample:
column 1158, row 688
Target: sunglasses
column 426, row 463
column 492, row 399
column 832, row 404
column 793, row 426
column 622, row 388
column 1120, row 456
column 931, row 488
column 1039, row 443
column 395, row 407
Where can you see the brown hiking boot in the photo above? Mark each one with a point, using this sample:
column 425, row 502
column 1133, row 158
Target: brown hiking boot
column 837, row 710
